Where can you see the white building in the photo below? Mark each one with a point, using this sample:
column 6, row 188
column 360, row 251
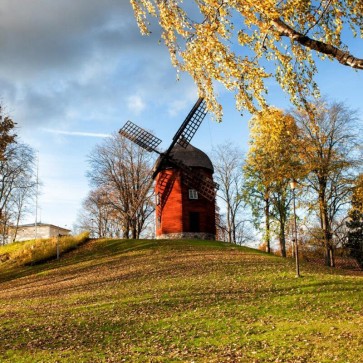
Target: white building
column 40, row 230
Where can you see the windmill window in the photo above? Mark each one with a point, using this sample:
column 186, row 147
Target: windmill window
column 193, row 194
column 158, row 199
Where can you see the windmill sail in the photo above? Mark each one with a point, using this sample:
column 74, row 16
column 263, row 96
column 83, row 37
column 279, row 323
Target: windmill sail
column 140, row 136
column 186, row 131
column 182, row 174
column 196, row 180
column 191, row 123
column 206, row 187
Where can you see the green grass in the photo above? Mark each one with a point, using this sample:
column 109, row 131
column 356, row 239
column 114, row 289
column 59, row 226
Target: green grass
column 178, row 301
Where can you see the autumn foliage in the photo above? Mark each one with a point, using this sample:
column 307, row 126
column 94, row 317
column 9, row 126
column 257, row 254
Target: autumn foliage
column 241, row 44
column 7, row 135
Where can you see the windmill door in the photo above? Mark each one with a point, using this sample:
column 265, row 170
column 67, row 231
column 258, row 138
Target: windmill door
column 194, row 223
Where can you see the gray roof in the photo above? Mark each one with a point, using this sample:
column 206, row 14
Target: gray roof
column 191, row 156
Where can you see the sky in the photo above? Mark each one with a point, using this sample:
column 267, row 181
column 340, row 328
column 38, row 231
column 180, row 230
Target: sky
column 73, row 72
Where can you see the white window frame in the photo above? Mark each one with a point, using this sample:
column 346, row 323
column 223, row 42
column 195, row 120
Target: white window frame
column 158, row 198
column 193, row 194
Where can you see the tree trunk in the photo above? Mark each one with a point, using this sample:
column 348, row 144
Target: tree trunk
column 126, row 230
column 330, row 259
column 234, row 232
column 267, row 221
column 282, row 239
column 16, row 227
column 3, row 232
column 229, row 226
column 134, row 231
column 327, row 235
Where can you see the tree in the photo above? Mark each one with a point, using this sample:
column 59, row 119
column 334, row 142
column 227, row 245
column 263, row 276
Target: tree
column 98, row 216
column 227, row 162
column 7, row 136
column 328, row 151
column 355, row 222
column 234, row 42
column 122, row 170
column 17, row 185
column 20, row 200
column 271, row 162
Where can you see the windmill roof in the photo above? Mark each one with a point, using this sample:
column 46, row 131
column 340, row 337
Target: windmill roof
column 192, row 156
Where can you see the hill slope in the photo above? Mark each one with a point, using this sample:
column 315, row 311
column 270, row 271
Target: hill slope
column 149, row 301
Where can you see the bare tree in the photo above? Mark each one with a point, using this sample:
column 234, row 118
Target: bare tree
column 227, row 161
column 99, row 217
column 17, row 185
column 123, row 171
column 20, row 204
column 329, row 142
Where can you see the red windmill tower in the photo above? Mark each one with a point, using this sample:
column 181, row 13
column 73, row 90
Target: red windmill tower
column 184, row 187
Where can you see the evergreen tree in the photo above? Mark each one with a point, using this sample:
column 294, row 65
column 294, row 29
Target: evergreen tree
column 355, row 223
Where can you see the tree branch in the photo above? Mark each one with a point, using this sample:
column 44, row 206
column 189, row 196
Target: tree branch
column 342, row 57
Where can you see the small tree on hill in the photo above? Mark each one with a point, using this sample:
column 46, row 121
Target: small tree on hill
column 329, row 153
column 122, row 170
column 17, row 185
column 227, row 162
column 98, row 216
column 270, row 164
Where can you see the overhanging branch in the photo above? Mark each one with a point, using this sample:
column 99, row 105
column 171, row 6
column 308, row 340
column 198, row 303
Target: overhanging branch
column 342, row 57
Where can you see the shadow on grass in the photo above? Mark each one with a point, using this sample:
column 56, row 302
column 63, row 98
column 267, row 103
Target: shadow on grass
column 98, row 252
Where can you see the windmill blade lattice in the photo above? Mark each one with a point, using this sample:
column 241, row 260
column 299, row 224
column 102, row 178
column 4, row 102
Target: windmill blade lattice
column 196, row 180
column 191, row 124
column 166, row 183
column 140, row 136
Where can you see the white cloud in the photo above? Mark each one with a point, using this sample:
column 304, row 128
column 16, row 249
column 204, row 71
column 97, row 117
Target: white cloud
column 135, row 104
column 183, row 102
column 81, row 66
column 76, row 133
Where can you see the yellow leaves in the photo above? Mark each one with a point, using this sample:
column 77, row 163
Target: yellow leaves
column 244, row 38
column 201, row 42
column 140, row 15
column 272, row 151
column 358, row 193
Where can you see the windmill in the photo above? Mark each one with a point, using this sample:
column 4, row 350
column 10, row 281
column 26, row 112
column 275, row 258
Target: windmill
column 191, row 177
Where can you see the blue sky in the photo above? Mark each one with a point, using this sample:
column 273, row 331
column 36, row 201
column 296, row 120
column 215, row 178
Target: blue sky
column 72, row 72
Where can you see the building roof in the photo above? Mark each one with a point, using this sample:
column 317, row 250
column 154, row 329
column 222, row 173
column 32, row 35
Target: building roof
column 192, row 156
column 39, row 224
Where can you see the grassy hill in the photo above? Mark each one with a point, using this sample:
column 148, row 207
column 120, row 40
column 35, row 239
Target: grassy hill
column 178, row 301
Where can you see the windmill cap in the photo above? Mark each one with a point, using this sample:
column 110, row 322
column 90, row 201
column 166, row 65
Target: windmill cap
column 192, row 156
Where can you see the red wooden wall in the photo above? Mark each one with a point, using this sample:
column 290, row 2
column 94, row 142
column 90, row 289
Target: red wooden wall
column 173, row 211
